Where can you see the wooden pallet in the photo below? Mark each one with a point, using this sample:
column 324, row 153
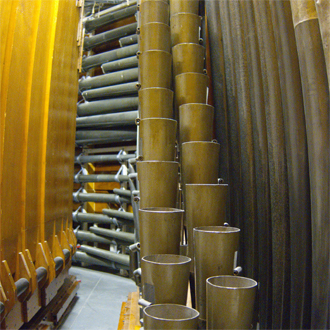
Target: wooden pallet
column 130, row 313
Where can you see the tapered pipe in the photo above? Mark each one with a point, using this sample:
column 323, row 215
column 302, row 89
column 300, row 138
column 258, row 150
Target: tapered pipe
column 200, row 162
column 80, row 178
column 158, row 183
column 129, row 40
column 125, row 63
column 316, row 101
column 84, row 257
column 127, row 237
column 155, row 36
column 157, row 139
column 99, row 198
column 196, row 119
column 205, row 205
column 122, row 259
column 185, row 28
column 156, row 102
column 160, row 230
column 230, row 302
column 179, row 6
column 109, row 120
column 111, row 91
column 107, row 136
column 118, row 214
column 83, row 159
column 90, row 237
column 109, row 79
column 173, row 268
column 93, row 218
column 170, row 316
column 188, row 57
column 160, row 64
column 223, row 242
column 154, row 11
column 112, row 55
column 109, row 18
column 102, row 38
column 122, row 192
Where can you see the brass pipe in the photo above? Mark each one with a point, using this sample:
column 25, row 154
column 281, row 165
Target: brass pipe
column 158, row 183
column 157, row 139
column 179, row 6
column 230, row 302
column 154, row 11
column 155, row 36
column 160, row 230
column 158, row 267
column 170, row 316
column 214, row 251
column 156, row 102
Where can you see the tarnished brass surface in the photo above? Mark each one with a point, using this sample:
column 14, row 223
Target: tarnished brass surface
column 205, row 205
column 200, row 162
column 188, row 57
column 156, row 102
column 214, row 250
column 157, row 139
column 155, row 36
column 302, row 11
column 170, row 316
column 165, row 278
column 185, row 6
column 160, row 230
column 185, row 28
column 196, row 122
column 154, row 11
column 230, row 302
column 158, row 183
column 160, row 64
column 190, row 88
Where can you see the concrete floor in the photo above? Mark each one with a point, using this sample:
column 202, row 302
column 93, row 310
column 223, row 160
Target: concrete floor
column 99, row 300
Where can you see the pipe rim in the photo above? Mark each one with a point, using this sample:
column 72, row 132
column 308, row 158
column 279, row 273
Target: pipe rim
column 186, row 14
column 156, row 88
column 177, row 260
column 157, row 162
column 191, row 73
column 175, row 307
column 217, row 229
column 200, row 143
column 155, row 24
column 157, row 119
column 223, row 185
column 203, row 105
column 238, row 279
column 162, row 210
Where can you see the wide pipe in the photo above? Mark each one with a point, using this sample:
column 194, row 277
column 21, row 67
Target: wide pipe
column 125, row 63
column 99, row 198
column 149, row 37
column 80, row 178
column 154, row 11
column 127, row 237
column 118, row 214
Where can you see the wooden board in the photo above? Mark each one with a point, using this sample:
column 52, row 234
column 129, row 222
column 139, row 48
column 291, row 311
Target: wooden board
column 130, row 313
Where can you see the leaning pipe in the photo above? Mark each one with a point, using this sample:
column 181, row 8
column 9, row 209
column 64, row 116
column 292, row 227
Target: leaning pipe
column 125, row 63
column 118, row 214
column 122, row 259
column 129, row 40
column 99, row 198
column 80, row 178
column 127, row 237
column 94, row 218
column 83, row 159
column 89, row 137
column 122, row 192
column 87, row 236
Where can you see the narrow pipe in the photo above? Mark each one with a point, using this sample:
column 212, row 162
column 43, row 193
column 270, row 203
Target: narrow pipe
column 128, row 237
column 21, row 285
column 41, row 273
column 99, row 198
column 111, row 91
column 122, row 192
column 102, row 38
column 109, row 79
column 118, row 214
column 109, row 135
column 80, row 178
column 83, row 159
column 83, row 235
column 129, row 40
column 95, row 218
column 121, row 4
column 109, row 18
column 104, row 106
column 126, row 118
column 112, row 55
column 122, row 259
column 125, row 63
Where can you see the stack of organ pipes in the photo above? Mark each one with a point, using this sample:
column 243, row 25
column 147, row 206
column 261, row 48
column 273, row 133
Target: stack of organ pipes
column 272, row 97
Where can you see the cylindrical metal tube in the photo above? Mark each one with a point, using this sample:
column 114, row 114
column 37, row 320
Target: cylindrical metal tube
column 93, row 217
column 102, row 38
column 109, row 18
column 109, row 79
column 185, row 28
column 111, row 91
column 230, row 302
column 158, row 267
column 99, row 198
column 105, row 136
column 160, row 230
column 200, row 162
column 155, row 36
column 41, row 273
column 122, row 259
column 170, row 316
column 127, row 237
column 179, row 6
column 214, row 251
column 125, row 63
column 160, row 64
column 129, row 40
column 122, row 192
column 21, row 285
column 196, row 121
column 93, row 61
column 154, row 11
column 188, row 57
column 157, row 139
column 81, row 178
column 59, row 262
column 119, row 214
column 90, row 237
column 158, row 183
column 82, row 159
column 156, row 102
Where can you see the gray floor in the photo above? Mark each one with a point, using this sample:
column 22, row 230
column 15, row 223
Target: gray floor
column 99, row 300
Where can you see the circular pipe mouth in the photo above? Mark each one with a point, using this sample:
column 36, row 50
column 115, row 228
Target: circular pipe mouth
column 207, row 184
column 217, row 229
column 231, row 282
column 201, row 143
column 171, row 312
column 168, row 120
column 161, row 210
column 166, row 259
column 158, row 162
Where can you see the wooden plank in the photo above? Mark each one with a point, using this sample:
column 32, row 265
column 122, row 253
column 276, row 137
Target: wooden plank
column 130, row 313
column 122, row 316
